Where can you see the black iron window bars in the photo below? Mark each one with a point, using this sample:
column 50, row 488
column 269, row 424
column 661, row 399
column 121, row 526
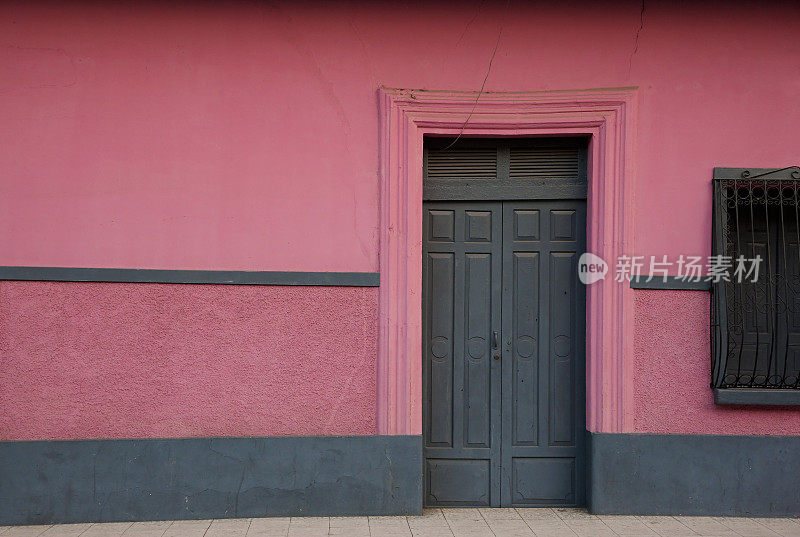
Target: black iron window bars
column 755, row 325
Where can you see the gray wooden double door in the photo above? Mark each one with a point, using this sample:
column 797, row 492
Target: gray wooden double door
column 504, row 353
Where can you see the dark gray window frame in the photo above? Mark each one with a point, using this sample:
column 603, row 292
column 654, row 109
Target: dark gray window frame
column 739, row 396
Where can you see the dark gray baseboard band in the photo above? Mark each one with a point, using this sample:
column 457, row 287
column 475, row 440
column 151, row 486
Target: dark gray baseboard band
column 45, row 482
column 670, row 283
column 705, row 475
column 229, row 277
column 752, row 396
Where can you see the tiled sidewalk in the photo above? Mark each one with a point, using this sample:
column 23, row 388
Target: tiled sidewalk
column 435, row 523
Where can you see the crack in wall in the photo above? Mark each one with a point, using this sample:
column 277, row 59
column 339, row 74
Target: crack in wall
column 488, row 72
column 636, row 39
column 469, row 23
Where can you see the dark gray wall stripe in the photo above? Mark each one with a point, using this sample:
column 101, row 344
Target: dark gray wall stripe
column 747, row 396
column 161, row 479
column 232, row 277
column 711, row 475
column 670, row 283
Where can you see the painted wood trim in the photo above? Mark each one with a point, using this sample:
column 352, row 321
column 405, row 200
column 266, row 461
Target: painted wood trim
column 608, row 117
column 670, row 283
column 226, row 277
column 511, row 189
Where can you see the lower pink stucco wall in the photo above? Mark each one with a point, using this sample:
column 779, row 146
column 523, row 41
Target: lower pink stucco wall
column 673, row 371
column 98, row 360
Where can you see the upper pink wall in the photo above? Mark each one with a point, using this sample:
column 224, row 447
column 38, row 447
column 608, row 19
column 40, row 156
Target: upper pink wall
column 99, row 360
column 244, row 136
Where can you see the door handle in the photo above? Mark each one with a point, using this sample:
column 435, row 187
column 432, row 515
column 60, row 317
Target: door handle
column 495, row 340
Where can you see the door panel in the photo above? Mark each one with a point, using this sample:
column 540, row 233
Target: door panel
column 462, row 263
column 506, row 431
column 543, row 409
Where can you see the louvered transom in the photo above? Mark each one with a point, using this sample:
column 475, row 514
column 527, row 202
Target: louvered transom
column 545, row 162
column 458, row 163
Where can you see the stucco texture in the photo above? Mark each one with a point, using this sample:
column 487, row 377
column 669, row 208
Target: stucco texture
column 673, row 372
column 96, row 360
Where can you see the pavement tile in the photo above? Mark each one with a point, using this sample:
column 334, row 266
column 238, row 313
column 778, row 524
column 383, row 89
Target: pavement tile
column 746, row 527
column 537, row 513
column 388, row 518
column 588, row 527
column 298, row 527
column 349, row 532
column 466, row 513
column 388, row 524
column 66, row 530
column 309, row 521
column 567, row 513
column 308, row 526
column 269, row 527
column 491, row 513
column 147, row 529
column 428, row 522
column 548, row 525
column 429, row 517
column 785, row 527
column 429, row 528
column 107, row 529
column 625, row 525
column 707, row 526
column 555, row 531
column 481, row 532
column 667, row 526
column 429, row 525
column 231, row 527
column 447, row 522
column 25, row 531
column 349, row 522
column 317, row 530
column 186, row 528
column 306, row 532
column 514, row 529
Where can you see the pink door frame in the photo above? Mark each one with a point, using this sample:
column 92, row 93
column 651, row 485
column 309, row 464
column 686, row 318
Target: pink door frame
column 608, row 116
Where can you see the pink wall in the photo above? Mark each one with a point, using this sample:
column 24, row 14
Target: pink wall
column 237, row 135
column 245, row 136
column 673, row 372
column 97, row 360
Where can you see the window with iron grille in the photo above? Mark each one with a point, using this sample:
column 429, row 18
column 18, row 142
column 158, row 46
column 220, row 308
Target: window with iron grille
column 755, row 325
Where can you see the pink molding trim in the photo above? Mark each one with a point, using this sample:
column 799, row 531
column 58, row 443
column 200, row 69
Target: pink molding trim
column 608, row 116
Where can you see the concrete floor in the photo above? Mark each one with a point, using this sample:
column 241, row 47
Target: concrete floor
column 435, row 523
